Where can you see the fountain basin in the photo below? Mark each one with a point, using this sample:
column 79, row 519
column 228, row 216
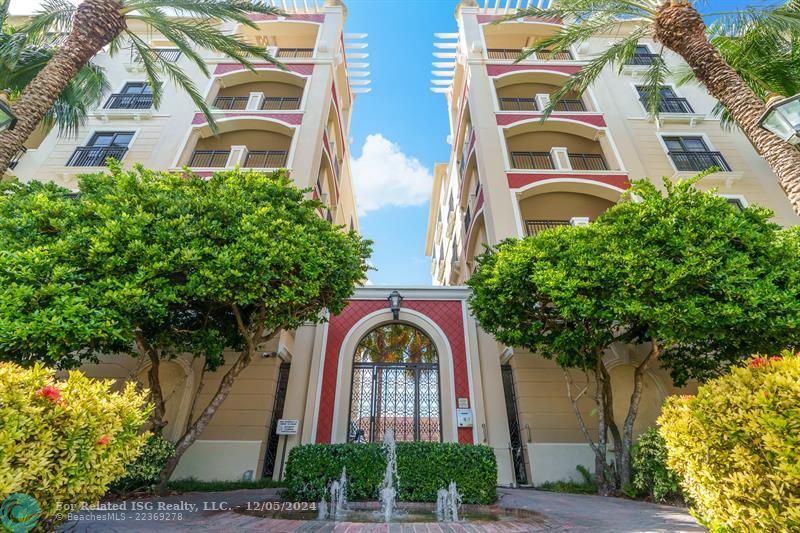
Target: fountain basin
column 370, row 512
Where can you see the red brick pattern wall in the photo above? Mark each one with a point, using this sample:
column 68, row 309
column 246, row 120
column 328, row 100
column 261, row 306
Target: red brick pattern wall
column 447, row 314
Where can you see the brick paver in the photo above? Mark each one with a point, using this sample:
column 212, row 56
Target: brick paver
column 562, row 512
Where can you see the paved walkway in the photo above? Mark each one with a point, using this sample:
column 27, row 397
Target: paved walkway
column 210, row 512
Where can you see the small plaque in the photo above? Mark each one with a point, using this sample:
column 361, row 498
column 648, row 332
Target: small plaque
column 287, row 427
column 463, row 403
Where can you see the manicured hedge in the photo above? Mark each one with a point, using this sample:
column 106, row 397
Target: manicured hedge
column 422, row 467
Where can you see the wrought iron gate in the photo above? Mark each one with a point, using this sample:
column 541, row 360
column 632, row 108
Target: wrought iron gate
column 395, row 385
column 517, row 447
column 270, row 457
column 403, row 397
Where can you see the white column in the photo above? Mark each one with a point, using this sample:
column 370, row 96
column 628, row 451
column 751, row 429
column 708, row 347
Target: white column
column 560, row 158
column 542, row 101
column 238, row 156
column 255, row 101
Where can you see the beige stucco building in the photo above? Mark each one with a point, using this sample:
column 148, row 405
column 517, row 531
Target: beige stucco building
column 509, row 175
column 438, row 376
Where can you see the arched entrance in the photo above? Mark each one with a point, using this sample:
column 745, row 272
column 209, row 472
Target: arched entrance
column 395, row 385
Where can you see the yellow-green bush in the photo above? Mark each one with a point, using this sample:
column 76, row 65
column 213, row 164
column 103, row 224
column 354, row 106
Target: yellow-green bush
column 736, row 446
column 63, row 441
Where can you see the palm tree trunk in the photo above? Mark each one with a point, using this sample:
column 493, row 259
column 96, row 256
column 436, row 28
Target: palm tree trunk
column 679, row 27
column 96, row 23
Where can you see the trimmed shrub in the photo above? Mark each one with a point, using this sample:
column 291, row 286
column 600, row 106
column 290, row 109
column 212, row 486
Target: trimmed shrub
column 63, row 442
column 312, row 467
column 144, row 472
column 736, row 446
column 651, row 477
column 422, row 468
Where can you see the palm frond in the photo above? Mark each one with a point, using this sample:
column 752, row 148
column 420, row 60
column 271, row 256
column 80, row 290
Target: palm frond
column 4, row 4
column 573, row 34
column 578, row 11
column 154, row 66
column 617, row 54
column 227, row 10
column 654, row 79
column 53, row 16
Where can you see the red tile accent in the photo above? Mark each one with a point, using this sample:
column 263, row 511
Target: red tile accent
column 310, row 17
column 497, row 70
column 290, row 118
column 479, row 202
column 515, row 181
column 447, row 314
column 298, row 68
column 593, row 120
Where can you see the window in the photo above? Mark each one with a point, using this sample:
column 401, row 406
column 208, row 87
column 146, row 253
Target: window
column 102, row 146
column 669, row 103
column 395, row 386
column 692, row 154
column 135, row 95
column 737, row 201
column 642, row 56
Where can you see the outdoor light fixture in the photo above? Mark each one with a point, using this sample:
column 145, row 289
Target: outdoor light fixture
column 395, row 299
column 7, row 118
column 782, row 118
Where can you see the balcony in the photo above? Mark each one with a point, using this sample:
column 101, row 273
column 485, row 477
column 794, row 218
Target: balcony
column 129, row 101
column 95, row 156
column 252, row 159
column 642, row 60
column 546, row 161
column 673, row 105
column 257, row 102
column 266, row 159
column 534, row 160
column 512, row 54
column 532, row 227
column 570, row 105
column 135, row 63
column 231, row 103
column 15, row 160
column 587, row 162
column 209, row 158
column 698, row 161
column 294, row 53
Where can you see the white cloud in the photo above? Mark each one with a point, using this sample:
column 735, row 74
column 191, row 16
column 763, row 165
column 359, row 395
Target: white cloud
column 385, row 176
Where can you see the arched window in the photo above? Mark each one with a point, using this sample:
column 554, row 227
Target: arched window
column 395, row 386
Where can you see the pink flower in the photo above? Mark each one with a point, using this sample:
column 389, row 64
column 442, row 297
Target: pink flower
column 104, row 440
column 776, row 358
column 757, row 362
column 50, row 392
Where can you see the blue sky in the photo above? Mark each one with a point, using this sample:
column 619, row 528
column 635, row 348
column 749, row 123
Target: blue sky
column 403, row 110
column 399, row 130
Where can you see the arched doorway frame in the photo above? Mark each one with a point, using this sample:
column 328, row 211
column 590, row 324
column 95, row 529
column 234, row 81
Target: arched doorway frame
column 341, row 406
column 392, row 390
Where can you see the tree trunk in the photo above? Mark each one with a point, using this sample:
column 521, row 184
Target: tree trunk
column 625, row 470
column 96, row 24
column 611, row 423
column 196, row 428
column 253, row 334
column 598, row 449
column 601, row 471
column 679, row 27
column 158, row 416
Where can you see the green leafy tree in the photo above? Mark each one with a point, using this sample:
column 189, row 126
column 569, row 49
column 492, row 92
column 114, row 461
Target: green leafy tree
column 190, row 25
column 680, row 27
column 684, row 274
column 157, row 264
column 22, row 56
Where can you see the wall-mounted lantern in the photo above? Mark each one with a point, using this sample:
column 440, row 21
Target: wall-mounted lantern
column 782, row 118
column 395, row 299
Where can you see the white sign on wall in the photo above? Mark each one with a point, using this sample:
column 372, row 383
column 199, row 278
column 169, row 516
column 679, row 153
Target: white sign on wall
column 287, row 427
